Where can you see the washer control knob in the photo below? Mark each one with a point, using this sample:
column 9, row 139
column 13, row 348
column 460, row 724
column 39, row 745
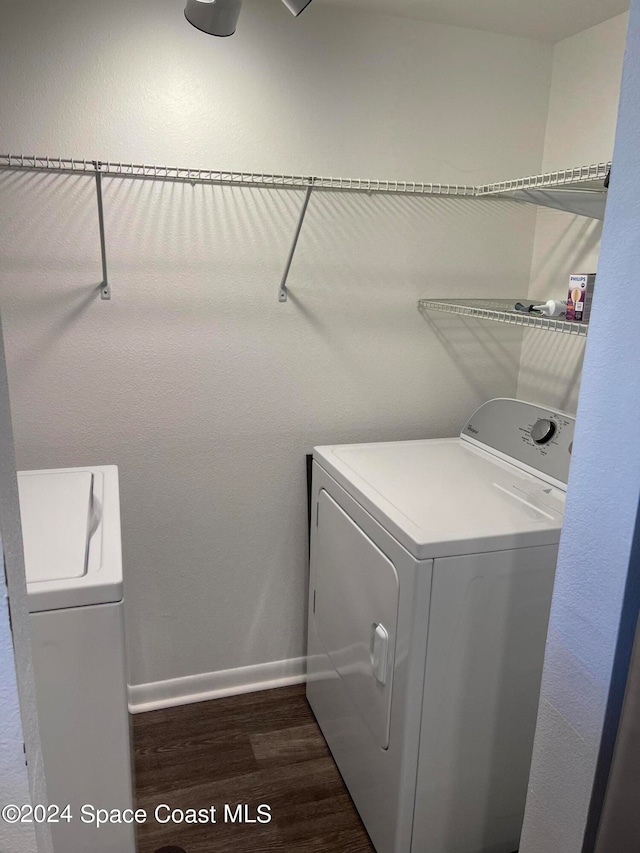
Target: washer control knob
column 543, row 431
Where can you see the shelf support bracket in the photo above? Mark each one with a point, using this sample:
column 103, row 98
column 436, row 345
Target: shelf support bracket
column 282, row 290
column 105, row 287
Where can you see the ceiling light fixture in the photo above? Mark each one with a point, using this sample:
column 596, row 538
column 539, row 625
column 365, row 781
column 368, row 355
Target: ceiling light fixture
column 220, row 17
column 215, row 17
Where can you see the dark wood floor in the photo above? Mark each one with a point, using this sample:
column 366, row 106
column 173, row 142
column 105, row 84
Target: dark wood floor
column 260, row 748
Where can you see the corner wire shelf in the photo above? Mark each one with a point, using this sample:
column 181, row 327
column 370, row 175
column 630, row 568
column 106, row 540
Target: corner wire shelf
column 579, row 178
column 578, row 190
column 503, row 311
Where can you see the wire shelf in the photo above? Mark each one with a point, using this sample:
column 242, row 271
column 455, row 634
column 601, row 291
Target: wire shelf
column 582, row 178
column 109, row 168
column 585, row 178
column 502, row 311
column 588, row 199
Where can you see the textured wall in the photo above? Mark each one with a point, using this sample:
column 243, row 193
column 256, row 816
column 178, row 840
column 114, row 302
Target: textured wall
column 194, row 380
column 14, row 784
column 583, row 109
column 18, row 785
column 600, row 519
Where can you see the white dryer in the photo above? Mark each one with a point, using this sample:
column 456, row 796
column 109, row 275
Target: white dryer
column 432, row 569
column 71, row 534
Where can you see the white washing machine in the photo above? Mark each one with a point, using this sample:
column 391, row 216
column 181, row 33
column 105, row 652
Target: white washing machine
column 71, row 533
column 432, row 569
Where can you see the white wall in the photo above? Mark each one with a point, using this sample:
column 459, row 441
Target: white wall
column 600, row 520
column 194, row 380
column 19, row 785
column 583, row 107
column 14, row 783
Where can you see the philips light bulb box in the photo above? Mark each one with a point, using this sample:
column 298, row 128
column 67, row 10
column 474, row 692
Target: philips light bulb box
column 580, row 295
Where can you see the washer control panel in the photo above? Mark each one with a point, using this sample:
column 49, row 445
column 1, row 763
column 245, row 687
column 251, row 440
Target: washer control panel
column 531, row 436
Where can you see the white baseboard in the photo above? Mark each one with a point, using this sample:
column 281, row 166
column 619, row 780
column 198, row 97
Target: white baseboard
column 215, row 685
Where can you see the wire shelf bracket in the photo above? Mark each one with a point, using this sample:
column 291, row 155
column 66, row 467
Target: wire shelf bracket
column 282, row 290
column 105, row 287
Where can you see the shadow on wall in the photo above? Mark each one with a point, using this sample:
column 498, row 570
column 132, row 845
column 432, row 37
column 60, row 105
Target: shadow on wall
column 478, row 349
column 551, row 369
column 66, row 311
column 563, row 239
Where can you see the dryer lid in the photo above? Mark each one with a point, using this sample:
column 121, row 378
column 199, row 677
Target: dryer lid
column 440, row 497
column 56, row 508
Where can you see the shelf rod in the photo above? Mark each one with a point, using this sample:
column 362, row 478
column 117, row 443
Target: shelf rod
column 105, row 287
column 282, row 290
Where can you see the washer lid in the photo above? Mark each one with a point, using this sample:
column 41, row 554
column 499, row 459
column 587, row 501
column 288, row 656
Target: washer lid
column 71, row 534
column 442, row 497
column 56, row 512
